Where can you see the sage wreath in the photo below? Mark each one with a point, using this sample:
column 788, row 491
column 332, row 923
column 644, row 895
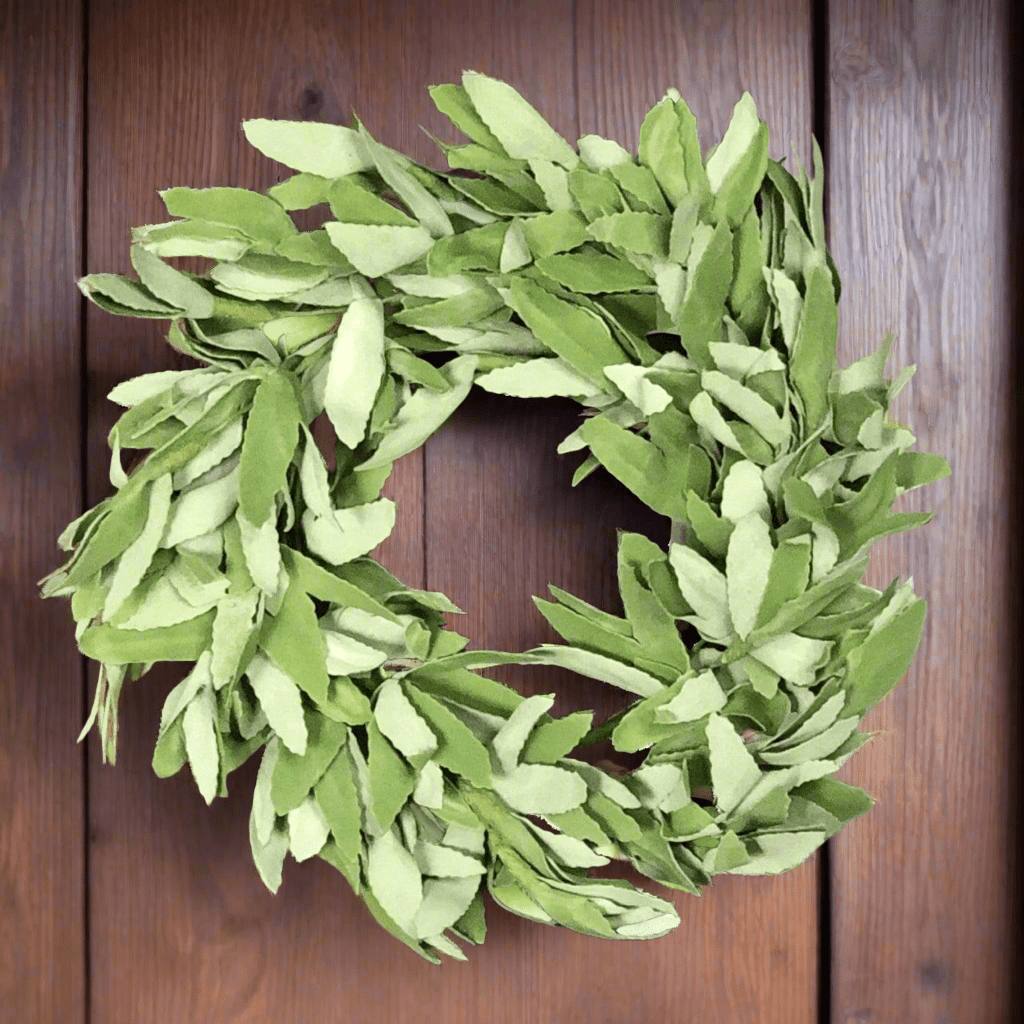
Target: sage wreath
column 689, row 304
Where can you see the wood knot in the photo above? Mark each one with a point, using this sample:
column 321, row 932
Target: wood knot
column 311, row 102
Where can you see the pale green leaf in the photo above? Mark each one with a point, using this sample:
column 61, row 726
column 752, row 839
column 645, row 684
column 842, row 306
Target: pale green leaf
column 704, row 588
column 538, row 378
column 423, row 414
column 700, row 695
column 281, row 701
column 133, row 563
column 255, row 215
column 395, row 880
column 540, row 789
column 512, row 736
column 201, row 509
column 328, row 150
column 356, row 370
column 348, row 533
column 515, row 123
column 201, row 742
column 734, row 772
column 271, row 435
column 375, row 249
column 747, row 563
column 596, row 666
column 307, row 829
column 399, row 721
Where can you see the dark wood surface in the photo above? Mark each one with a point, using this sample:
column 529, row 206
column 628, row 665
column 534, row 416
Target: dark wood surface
column 179, row 925
column 42, row 882
column 918, row 137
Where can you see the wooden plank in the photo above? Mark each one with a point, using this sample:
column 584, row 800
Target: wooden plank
column 919, row 122
column 182, row 927
column 42, row 874
column 503, row 520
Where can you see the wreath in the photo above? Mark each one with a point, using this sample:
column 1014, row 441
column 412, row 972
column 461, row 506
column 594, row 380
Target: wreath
column 689, row 304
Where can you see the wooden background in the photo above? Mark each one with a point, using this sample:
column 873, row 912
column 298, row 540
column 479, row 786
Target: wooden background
column 123, row 900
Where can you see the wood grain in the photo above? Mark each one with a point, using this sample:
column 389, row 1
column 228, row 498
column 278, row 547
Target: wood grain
column 919, row 126
column 42, row 954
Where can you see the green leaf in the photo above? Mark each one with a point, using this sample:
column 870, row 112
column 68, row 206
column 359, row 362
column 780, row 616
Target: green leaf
column 522, row 132
column 338, row 797
column 398, row 720
column 699, row 695
column 281, row 701
column 295, row 775
column 537, row 378
column 425, row 208
column 255, row 215
column 877, row 665
column 356, row 370
column 661, row 149
column 709, row 277
column 169, row 755
column 734, row 772
column 374, row 249
column 271, row 434
column 780, row 851
column 787, row 577
column 199, row 729
column 705, row 589
column 475, row 249
column 170, row 285
column 596, row 666
column 814, row 350
column 747, row 565
column 458, row 749
column 262, row 551
column 328, row 150
column 135, row 560
column 454, row 102
column 638, row 464
column 323, row 584
column 184, row 641
column 540, row 789
column 424, row 413
column 264, row 816
column 232, row 627
column 581, row 631
column 269, row 856
column 575, row 334
column 445, row 900
column 550, row 233
column 262, row 277
column 636, row 384
column 556, row 739
column 349, row 533
column 118, row 294
column 201, row 509
column 395, row 880
column 510, row 739
column 593, row 273
column 737, row 166
column 392, row 781
column 748, row 405
column 293, row 639
column 795, row 658
column 307, row 830
column 193, row 238
column 114, row 533
column 646, row 234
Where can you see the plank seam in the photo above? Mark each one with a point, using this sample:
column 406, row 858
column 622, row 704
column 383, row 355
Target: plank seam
column 83, row 469
column 820, row 124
